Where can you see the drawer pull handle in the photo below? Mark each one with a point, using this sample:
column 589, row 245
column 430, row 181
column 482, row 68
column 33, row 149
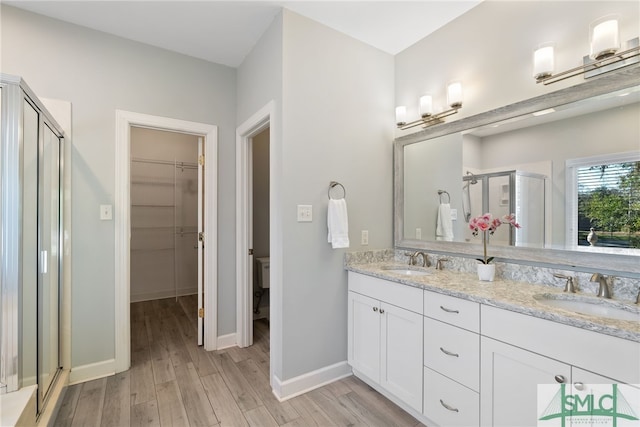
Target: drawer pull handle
column 560, row 379
column 381, row 310
column 448, row 353
column 450, row 408
column 375, row 308
column 579, row 386
column 448, row 310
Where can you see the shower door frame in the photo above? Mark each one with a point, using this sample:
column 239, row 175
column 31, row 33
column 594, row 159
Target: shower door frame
column 15, row 93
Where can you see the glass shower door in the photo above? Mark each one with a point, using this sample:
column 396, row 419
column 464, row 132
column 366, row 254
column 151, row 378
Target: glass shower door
column 29, row 339
column 49, row 249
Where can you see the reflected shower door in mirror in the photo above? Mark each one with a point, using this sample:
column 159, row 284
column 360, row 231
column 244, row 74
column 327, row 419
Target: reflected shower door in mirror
column 503, row 193
column 519, row 165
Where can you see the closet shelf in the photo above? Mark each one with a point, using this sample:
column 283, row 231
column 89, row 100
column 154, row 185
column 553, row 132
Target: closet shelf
column 168, row 184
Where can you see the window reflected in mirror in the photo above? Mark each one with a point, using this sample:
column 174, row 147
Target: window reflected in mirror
column 609, row 205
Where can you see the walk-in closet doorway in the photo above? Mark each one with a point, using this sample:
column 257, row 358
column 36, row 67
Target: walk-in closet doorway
column 157, row 225
column 165, row 195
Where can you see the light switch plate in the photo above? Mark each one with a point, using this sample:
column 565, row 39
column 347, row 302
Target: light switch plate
column 106, row 212
column 305, row 213
column 454, row 214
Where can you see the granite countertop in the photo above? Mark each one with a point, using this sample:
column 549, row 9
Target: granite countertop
column 505, row 294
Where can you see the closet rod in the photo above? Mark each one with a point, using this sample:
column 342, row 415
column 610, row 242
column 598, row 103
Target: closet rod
column 164, row 162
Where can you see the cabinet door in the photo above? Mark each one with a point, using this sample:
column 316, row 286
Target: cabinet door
column 364, row 335
column 509, row 383
column 584, row 383
column 401, row 359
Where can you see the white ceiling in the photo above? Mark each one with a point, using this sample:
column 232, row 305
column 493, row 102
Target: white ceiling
column 225, row 31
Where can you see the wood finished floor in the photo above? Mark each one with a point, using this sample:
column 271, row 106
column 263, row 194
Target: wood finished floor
column 173, row 382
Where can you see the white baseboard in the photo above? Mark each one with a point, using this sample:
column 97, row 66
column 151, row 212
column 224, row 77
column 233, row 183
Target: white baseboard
column 226, row 341
column 284, row 390
column 170, row 293
column 92, row 371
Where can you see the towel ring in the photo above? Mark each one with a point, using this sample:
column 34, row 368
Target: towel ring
column 441, row 192
column 334, row 184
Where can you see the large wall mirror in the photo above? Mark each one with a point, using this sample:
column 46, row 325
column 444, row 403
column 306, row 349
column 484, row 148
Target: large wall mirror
column 567, row 164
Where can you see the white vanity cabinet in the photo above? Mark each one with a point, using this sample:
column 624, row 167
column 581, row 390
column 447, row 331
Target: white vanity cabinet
column 519, row 352
column 510, row 383
column 451, row 360
column 385, row 336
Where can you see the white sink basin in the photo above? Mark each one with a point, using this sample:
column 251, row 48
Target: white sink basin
column 406, row 271
column 591, row 306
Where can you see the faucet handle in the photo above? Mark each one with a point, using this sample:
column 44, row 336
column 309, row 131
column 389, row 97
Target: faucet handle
column 570, row 285
column 440, row 262
column 412, row 259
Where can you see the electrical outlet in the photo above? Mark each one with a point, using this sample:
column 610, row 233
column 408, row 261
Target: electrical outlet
column 418, row 233
column 106, row 213
column 365, row 237
column 454, row 214
column 305, row 213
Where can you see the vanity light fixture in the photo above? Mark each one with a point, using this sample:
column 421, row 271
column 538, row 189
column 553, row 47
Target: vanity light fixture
column 544, row 112
column 427, row 117
column 605, row 54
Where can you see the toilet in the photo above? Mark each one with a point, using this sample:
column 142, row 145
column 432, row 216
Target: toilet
column 263, row 279
column 263, row 272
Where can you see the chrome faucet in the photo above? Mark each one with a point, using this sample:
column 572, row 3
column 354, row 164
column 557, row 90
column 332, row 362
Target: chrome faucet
column 603, row 290
column 413, row 258
column 570, row 285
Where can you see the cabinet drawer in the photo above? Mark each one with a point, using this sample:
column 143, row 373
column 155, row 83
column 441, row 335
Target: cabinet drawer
column 453, row 352
column 458, row 312
column 448, row 403
column 400, row 295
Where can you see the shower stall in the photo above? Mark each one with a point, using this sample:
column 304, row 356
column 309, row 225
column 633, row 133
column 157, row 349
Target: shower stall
column 31, row 242
column 502, row 193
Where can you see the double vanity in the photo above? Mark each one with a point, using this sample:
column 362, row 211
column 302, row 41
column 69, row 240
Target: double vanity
column 455, row 351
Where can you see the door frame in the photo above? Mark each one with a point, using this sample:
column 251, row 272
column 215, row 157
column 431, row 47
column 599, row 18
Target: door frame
column 262, row 119
column 122, row 215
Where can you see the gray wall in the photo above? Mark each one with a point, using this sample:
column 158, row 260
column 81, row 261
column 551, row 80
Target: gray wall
column 99, row 73
column 431, row 166
column 337, row 106
column 332, row 97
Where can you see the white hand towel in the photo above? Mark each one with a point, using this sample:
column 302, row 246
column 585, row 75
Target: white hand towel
column 338, row 223
column 444, row 225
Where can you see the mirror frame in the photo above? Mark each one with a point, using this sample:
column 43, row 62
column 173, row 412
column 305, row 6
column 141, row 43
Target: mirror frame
column 603, row 262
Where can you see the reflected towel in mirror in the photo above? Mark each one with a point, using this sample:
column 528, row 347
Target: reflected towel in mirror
column 444, row 225
column 338, row 223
